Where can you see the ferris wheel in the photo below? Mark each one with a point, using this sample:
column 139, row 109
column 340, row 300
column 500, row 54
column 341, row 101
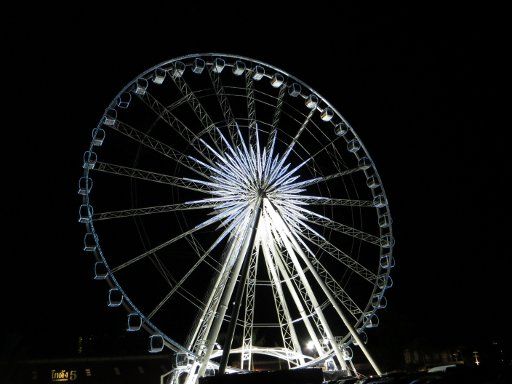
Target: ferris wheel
column 238, row 217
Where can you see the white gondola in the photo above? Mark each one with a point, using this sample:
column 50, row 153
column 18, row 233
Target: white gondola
column 327, row 114
column 84, row 185
column 90, row 159
column 199, row 65
column 372, row 182
column 156, row 343
column 218, row 65
column 379, row 201
column 85, row 213
column 183, row 360
column 353, row 145
column 311, row 102
column 277, row 80
column 134, row 322
column 387, row 241
column 362, row 336
column 115, row 297
column 379, row 302
column 384, row 221
column 330, row 365
column 387, row 261
column 258, row 73
column 371, row 320
column 364, row 163
column 341, row 129
column 89, row 242
column 239, row 68
column 124, row 100
column 347, row 353
column 159, row 76
column 141, row 85
column 100, row 271
column 110, row 117
column 178, row 69
column 98, row 135
column 384, row 283
column 294, row 89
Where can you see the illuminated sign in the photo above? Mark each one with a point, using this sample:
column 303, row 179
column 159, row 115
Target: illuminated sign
column 63, row 375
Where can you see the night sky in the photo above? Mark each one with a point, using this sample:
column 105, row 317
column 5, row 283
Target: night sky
column 420, row 89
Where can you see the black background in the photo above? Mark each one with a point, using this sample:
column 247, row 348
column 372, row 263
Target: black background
column 420, row 86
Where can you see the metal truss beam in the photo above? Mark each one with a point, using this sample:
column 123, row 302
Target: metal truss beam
column 151, row 210
column 250, row 301
column 150, row 176
column 159, row 147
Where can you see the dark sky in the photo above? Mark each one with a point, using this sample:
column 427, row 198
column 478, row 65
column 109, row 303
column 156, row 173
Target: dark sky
column 420, row 89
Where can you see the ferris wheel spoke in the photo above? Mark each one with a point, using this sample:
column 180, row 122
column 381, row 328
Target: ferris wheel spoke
column 251, row 105
column 199, row 250
column 199, row 110
column 270, row 161
column 319, row 200
column 151, row 210
column 307, row 183
column 198, row 227
column 345, row 229
column 227, row 231
column 331, row 144
column 215, row 186
column 184, row 293
column 331, row 283
column 177, row 103
column 244, row 156
column 325, row 222
column 224, row 105
column 157, row 146
column 290, row 147
column 176, row 124
column 276, row 117
column 308, row 233
column 150, row 176
column 338, row 254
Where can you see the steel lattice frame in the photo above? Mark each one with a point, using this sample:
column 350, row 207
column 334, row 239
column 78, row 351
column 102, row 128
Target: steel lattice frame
column 263, row 173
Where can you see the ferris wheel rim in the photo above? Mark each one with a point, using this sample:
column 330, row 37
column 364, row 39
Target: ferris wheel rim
column 113, row 279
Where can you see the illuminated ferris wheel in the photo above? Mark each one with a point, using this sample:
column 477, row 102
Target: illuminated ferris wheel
column 238, row 217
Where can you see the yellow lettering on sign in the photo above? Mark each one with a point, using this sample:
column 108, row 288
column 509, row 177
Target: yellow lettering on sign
column 63, row 375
